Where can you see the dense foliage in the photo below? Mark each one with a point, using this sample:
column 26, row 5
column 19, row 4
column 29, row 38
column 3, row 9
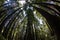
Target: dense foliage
column 29, row 20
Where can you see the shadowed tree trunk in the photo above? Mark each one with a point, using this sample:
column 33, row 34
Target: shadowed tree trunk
column 29, row 30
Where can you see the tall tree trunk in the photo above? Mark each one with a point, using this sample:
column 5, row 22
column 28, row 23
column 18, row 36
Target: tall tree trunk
column 29, row 30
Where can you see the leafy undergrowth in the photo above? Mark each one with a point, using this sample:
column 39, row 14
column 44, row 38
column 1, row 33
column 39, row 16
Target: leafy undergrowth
column 2, row 38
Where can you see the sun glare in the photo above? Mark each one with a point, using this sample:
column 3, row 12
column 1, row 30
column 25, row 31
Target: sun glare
column 22, row 2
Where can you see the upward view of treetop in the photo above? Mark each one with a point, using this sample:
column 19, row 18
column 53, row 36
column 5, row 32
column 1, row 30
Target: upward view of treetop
column 29, row 20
